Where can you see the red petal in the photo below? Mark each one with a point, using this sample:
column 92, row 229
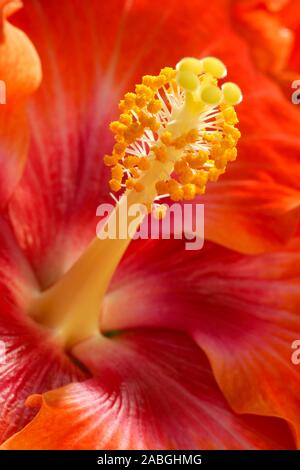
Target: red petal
column 154, row 391
column 243, row 311
column 30, row 360
column 20, row 75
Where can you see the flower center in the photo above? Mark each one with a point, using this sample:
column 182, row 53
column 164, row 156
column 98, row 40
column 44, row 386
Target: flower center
column 174, row 134
column 178, row 123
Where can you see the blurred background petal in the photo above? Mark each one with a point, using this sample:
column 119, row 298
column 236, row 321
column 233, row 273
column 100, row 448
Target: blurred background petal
column 20, row 75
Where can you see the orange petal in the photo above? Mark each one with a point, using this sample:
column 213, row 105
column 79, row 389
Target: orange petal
column 154, row 390
column 251, row 216
column 255, row 205
column 20, row 75
column 271, row 28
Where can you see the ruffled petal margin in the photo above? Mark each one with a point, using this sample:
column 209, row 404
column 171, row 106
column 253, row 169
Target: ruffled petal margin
column 154, row 390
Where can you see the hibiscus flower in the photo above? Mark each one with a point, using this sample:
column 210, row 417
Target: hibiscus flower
column 193, row 351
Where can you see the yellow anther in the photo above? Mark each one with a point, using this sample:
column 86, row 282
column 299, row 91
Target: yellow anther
column 117, row 172
column 221, row 161
column 153, row 124
column 168, row 72
column 166, row 138
column 180, row 166
column 172, row 184
column 119, row 148
column 126, row 119
column 143, row 118
column 232, row 93
column 144, row 163
column 232, row 131
column 122, row 106
column 196, row 161
column 229, row 115
column 231, row 154
column 120, row 138
column 189, row 191
column 212, row 137
column 202, row 156
column 160, row 153
column 190, row 64
column 161, row 187
column 176, row 195
column 144, row 91
column 229, row 141
column 133, row 132
column 214, row 174
column 159, row 81
column 188, row 80
column 200, row 190
column 211, row 95
column 175, row 190
column 200, row 178
column 186, row 176
column 149, row 81
column 185, row 139
column 147, row 120
column 115, row 185
column 216, row 150
column 130, row 161
column 117, row 127
column 129, row 99
column 214, row 67
column 154, row 106
column 110, row 160
column 141, row 101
